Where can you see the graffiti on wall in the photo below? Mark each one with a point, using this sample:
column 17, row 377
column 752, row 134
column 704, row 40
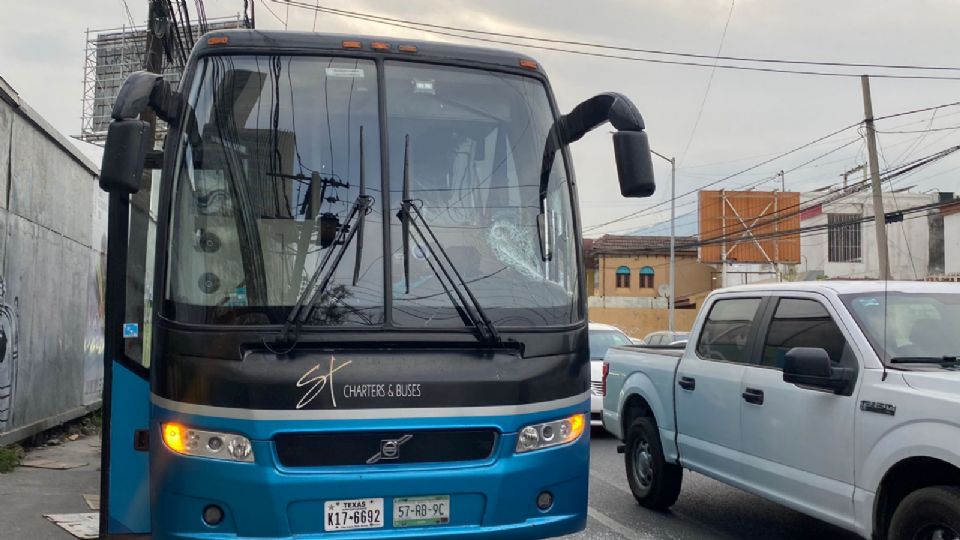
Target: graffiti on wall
column 9, row 351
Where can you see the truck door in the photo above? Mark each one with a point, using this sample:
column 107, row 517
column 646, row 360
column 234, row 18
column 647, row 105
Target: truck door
column 708, row 388
column 799, row 441
column 125, row 481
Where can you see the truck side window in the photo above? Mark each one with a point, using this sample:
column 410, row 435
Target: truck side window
column 802, row 323
column 727, row 329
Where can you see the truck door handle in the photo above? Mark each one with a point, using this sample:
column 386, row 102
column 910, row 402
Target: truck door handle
column 752, row 395
column 687, row 383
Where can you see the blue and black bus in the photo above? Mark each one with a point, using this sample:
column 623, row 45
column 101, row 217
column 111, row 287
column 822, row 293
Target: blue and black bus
column 346, row 299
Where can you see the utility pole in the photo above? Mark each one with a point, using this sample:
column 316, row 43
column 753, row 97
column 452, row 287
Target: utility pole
column 672, row 302
column 879, row 221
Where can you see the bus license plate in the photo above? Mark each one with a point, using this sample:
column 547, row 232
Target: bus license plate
column 353, row 514
column 420, row 511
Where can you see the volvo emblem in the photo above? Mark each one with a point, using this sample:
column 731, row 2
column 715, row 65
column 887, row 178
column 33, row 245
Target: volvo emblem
column 389, row 449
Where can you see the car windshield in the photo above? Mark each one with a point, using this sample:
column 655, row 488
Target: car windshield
column 269, row 166
column 601, row 340
column 908, row 325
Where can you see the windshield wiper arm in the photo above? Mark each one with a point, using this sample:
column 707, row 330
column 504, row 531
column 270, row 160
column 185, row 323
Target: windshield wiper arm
column 462, row 297
column 301, row 310
column 946, row 361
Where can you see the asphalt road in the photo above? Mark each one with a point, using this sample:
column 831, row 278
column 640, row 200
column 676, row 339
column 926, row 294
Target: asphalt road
column 706, row 509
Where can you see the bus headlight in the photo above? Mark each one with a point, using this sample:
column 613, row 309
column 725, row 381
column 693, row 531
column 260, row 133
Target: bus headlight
column 547, row 434
column 209, row 444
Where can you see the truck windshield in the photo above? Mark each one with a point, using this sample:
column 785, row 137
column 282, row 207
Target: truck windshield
column 268, row 168
column 918, row 325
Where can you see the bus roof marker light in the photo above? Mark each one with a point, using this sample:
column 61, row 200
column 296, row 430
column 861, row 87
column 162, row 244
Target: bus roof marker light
column 380, row 46
column 407, row 48
column 352, row 44
column 529, row 64
column 218, row 40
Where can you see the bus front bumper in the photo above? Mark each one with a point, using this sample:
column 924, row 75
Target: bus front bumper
column 496, row 498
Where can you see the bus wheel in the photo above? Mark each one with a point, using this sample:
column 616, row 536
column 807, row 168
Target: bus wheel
column 654, row 482
column 931, row 513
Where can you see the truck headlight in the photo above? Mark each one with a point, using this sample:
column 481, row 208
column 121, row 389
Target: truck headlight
column 209, row 444
column 547, row 434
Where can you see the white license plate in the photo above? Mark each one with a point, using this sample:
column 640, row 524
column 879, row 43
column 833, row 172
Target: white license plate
column 353, row 514
column 420, row 511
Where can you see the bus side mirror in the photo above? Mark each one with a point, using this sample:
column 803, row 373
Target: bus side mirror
column 630, row 145
column 634, row 164
column 128, row 138
column 124, row 155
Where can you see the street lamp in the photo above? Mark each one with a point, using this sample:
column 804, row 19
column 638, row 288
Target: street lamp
column 673, row 238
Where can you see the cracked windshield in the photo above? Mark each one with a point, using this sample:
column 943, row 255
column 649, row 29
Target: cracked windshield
column 270, row 185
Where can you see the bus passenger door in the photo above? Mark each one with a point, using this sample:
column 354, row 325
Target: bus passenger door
column 125, row 467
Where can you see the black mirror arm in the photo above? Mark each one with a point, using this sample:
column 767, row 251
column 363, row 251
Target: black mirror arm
column 143, row 89
column 585, row 117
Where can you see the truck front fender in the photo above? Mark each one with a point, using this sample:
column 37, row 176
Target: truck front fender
column 922, row 438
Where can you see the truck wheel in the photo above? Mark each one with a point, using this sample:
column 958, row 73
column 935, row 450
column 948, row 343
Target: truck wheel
column 931, row 513
column 654, row 482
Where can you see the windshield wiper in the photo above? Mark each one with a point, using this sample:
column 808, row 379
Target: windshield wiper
column 323, row 273
column 943, row 361
column 466, row 304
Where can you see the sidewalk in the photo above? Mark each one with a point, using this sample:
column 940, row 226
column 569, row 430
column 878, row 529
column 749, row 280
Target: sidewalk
column 27, row 493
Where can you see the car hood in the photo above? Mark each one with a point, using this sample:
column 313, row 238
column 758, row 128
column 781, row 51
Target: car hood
column 941, row 381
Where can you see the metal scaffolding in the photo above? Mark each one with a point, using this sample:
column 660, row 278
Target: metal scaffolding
column 113, row 54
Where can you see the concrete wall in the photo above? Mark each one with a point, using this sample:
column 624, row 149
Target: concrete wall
column 951, row 243
column 52, row 240
column 908, row 241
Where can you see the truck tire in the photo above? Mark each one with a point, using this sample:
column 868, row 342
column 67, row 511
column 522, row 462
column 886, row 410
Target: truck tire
column 931, row 513
column 654, row 482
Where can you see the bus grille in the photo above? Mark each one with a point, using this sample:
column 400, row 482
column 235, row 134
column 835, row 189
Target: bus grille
column 384, row 447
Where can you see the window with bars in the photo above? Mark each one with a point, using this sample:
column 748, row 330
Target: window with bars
column 844, row 238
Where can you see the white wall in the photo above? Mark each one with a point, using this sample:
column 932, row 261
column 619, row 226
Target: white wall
column 908, row 241
column 951, row 243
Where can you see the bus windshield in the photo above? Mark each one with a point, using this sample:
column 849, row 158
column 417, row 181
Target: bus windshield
column 269, row 167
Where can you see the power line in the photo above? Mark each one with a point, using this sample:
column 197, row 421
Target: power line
column 129, row 15
column 727, row 177
column 706, row 92
column 275, row 16
column 647, row 210
column 442, row 30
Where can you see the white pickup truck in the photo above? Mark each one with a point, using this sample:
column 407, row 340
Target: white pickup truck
column 838, row 399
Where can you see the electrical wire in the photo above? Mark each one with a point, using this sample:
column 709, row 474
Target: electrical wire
column 706, row 92
column 648, row 210
column 436, row 28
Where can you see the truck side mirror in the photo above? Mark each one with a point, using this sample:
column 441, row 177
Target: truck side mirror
column 811, row 366
column 124, row 155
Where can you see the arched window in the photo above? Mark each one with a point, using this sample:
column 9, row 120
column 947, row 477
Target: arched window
column 646, row 277
column 623, row 277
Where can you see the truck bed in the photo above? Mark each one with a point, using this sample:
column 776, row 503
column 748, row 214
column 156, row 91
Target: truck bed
column 635, row 367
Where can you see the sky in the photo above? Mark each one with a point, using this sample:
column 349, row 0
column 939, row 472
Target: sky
column 715, row 122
